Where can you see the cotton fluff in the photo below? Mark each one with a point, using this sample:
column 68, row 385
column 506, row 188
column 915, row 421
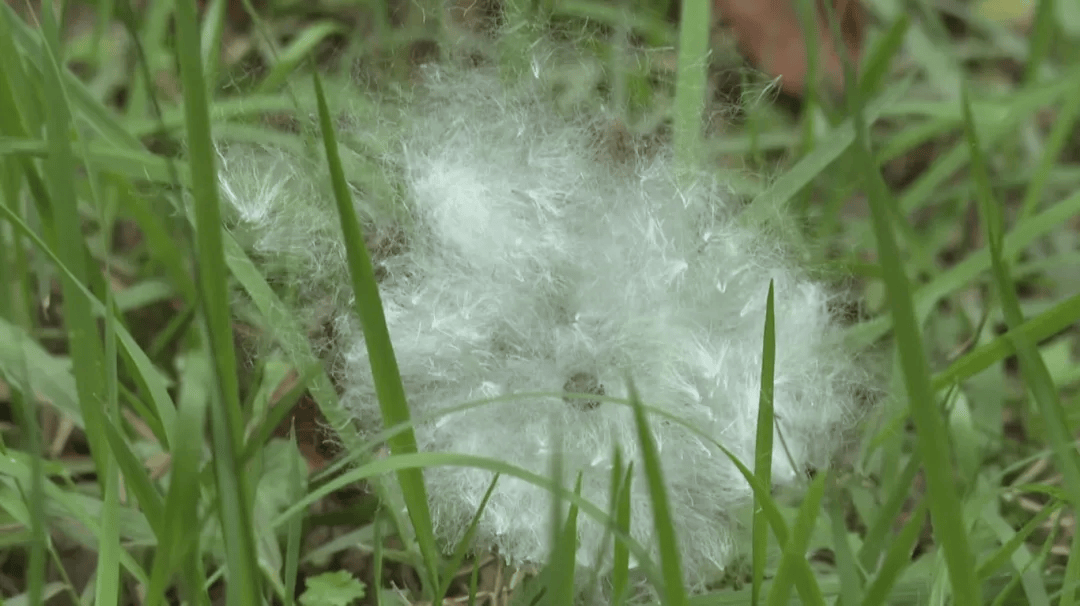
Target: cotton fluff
column 534, row 262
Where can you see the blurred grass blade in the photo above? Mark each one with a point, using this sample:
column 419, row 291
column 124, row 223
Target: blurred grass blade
column 1029, row 569
column 1037, row 378
column 690, row 83
column 826, row 151
column 847, row 567
column 299, row 49
column 620, row 575
column 184, row 496
column 388, row 387
column 875, row 541
column 673, row 591
column 1017, row 541
column 879, row 59
column 1042, row 35
column 213, row 26
column 764, row 444
column 136, row 480
column 794, row 555
column 928, row 295
column 85, row 348
column 1062, row 133
column 295, row 527
column 107, row 574
column 932, row 434
column 897, row 558
column 1045, row 325
column 563, row 561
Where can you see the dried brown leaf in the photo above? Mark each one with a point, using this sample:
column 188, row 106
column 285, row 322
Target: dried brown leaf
column 769, row 33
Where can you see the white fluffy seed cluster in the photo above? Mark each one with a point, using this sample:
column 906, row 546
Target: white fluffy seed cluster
column 534, row 263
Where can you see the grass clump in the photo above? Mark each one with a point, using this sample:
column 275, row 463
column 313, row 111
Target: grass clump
column 537, row 246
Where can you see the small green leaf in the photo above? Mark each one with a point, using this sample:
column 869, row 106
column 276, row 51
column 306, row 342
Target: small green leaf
column 332, row 589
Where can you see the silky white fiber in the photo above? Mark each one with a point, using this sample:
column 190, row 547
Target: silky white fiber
column 532, row 261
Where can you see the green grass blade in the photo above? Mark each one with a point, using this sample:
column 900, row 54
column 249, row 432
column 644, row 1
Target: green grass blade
column 673, row 592
column 690, row 83
column 879, row 58
column 227, row 424
column 388, row 387
column 210, row 41
column 88, row 363
column 1036, row 376
column 793, row 559
column 897, row 558
column 213, row 280
column 1052, row 321
column 299, row 50
column 876, row 538
column 826, row 151
column 620, row 575
column 1061, row 134
column 107, row 575
column 1017, row 540
column 563, row 561
column 182, row 501
column 1028, row 568
column 847, row 566
column 465, row 544
column 764, row 444
column 295, row 527
column 421, row 460
column 933, row 443
column 136, row 480
column 1041, row 38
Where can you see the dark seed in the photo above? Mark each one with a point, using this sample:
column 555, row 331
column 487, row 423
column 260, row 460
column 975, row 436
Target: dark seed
column 583, row 383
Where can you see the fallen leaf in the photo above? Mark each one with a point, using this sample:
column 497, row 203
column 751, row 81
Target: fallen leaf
column 769, row 33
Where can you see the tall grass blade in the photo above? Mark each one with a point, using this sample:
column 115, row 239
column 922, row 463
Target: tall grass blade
column 388, row 386
column 933, row 440
column 622, row 489
column 234, row 488
column 295, row 527
column 794, row 556
column 465, row 544
column 897, row 558
column 176, row 546
column 1061, row 133
column 1037, row 378
column 673, row 591
column 764, row 445
column 847, row 567
column 875, row 540
column 563, row 562
column 690, row 83
column 84, row 344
